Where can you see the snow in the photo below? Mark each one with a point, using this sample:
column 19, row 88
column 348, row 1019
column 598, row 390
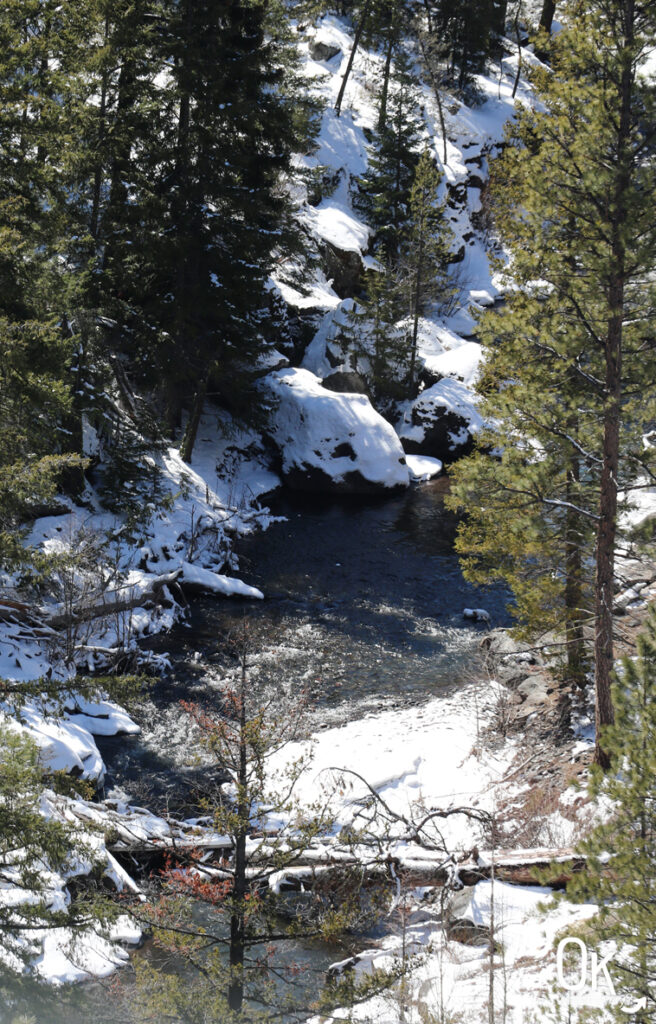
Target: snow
column 422, row 467
column 461, row 363
column 311, row 427
column 216, row 583
column 417, row 755
column 333, row 220
column 65, row 959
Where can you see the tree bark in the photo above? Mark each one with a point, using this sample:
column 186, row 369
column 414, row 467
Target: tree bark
column 499, row 17
column 382, row 113
column 574, row 579
column 238, row 915
column 94, row 222
column 416, row 309
column 358, row 33
column 547, row 15
column 189, row 439
column 436, row 93
column 606, row 533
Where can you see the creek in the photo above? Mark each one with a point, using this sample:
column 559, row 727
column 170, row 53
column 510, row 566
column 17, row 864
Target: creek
column 363, row 608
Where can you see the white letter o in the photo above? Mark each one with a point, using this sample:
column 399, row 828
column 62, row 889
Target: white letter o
column 580, row 985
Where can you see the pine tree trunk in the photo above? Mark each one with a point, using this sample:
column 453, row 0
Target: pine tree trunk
column 547, row 15
column 436, row 93
column 416, row 310
column 519, row 55
column 237, row 919
column 605, row 567
column 190, row 434
column 574, row 581
column 382, row 113
column 499, row 16
column 356, row 41
column 94, row 220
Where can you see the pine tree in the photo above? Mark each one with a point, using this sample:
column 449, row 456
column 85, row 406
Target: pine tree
column 233, row 957
column 382, row 307
column 393, row 155
column 621, row 851
column 32, row 845
column 465, row 33
column 538, row 481
column 571, row 208
column 220, row 203
column 35, row 344
column 425, row 252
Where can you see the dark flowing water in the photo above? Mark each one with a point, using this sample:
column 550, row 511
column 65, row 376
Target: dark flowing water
column 363, row 607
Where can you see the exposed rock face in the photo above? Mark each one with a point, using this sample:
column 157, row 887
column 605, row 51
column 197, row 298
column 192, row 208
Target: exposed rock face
column 441, row 422
column 345, row 382
column 323, row 49
column 343, row 267
column 330, row 442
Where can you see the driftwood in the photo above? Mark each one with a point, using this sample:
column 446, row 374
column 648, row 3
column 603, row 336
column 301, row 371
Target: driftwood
column 123, row 599
column 519, row 867
column 113, row 602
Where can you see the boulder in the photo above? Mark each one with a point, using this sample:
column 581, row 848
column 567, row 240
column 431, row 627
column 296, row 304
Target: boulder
column 323, row 49
column 331, row 442
column 442, row 422
column 345, row 382
column 343, row 267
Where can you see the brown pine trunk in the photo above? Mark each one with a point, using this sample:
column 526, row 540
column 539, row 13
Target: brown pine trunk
column 499, row 16
column 547, row 15
column 382, row 113
column 605, row 555
column 94, row 221
column 436, row 92
column 189, row 439
column 416, row 309
column 574, row 583
column 237, row 918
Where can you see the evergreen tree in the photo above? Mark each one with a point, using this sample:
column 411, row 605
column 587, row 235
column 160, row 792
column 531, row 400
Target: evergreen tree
column 372, row 337
column 383, row 310
column 571, row 208
column 35, row 347
column 32, row 845
column 221, row 206
column 621, row 852
column 540, row 480
column 465, row 33
column 384, row 190
column 425, row 252
column 233, row 956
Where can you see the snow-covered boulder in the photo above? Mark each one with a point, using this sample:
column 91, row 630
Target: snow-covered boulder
column 441, row 422
column 330, row 441
column 323, row 48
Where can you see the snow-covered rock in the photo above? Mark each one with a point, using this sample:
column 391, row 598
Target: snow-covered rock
column 330, row 441
column 422, row 467
column 441, row 422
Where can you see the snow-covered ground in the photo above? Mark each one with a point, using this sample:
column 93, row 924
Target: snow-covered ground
column 445, row 348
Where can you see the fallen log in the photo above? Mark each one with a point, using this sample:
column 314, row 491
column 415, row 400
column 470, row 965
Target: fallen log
column 123, row 599
column 518, row 867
